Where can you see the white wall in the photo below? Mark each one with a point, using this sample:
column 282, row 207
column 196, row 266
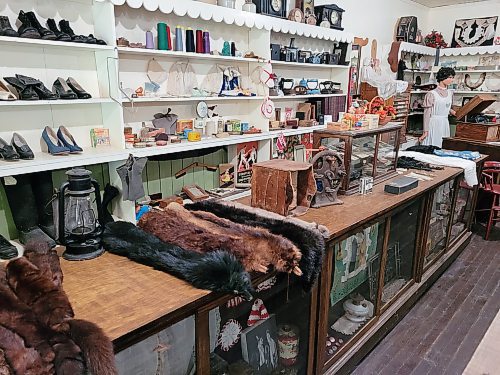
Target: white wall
column 443, row 19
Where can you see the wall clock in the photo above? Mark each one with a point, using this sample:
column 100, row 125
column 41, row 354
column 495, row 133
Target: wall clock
column 274, row 8
column 296, row 15
column 202, row 109
column 331, row 14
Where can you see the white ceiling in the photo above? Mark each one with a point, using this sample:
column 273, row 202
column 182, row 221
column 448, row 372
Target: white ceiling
column 441, row 3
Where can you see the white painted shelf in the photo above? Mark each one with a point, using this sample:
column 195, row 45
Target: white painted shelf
column 297, row 97
column 30, row 103
column 307, row 65
column 476, row 71
column 417, row 71
column 45, row 162
column 190, row 99
column 298, row 131
column 5, row 40
column 183, row 55
column 477, row 92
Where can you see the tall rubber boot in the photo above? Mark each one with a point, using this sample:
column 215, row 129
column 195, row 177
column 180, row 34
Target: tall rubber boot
column 44, row 195
column 110, row 193
column 23, row 207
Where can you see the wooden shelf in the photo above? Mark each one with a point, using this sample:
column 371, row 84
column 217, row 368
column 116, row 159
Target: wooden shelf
column 12, row 41
column 125, row 51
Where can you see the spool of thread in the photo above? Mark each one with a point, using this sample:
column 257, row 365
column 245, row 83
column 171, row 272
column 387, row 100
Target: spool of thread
column 190, row 47
column 169, row 39
column 150, row 43
column 199, row 41
column 179, row 45
column 206, row 42
column 162, row 36
column 233, row 49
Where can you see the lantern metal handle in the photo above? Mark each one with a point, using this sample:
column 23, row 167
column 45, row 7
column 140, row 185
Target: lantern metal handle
column 62, row 230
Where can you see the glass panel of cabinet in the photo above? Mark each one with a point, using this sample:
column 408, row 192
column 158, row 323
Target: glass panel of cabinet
column 439, row 221
column 462, row 214
column 365, row 152
column 268, row 335
column 169, row 352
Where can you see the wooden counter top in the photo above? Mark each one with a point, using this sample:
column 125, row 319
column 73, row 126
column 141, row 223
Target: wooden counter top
column 122, row 296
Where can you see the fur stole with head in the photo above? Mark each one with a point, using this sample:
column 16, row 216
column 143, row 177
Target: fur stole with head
column 203, row 232
column 308, row 237
column 218, row 271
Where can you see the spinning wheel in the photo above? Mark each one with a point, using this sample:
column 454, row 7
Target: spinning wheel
column 329, row 170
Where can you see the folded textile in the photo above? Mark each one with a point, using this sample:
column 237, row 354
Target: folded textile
column 218, row 271
column 468, row 166
column 200, row 231
column 38, row 335
column 467, row 155
column 425, row 149
column 308, row 237
column 412, row 163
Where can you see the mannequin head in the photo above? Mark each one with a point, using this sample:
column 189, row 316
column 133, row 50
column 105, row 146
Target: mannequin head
column 445, row 76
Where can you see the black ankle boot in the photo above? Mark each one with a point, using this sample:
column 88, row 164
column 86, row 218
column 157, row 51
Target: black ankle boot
column 44, row 32
column 66, row 28
column 110, row 193
column 7, row 250
column 43, row 92
column 62, row 37
column 26, row 30
column 5, row 27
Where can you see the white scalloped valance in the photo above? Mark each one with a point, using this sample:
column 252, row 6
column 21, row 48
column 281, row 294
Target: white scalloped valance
column 417, row 48
column 464, row 51
column 195, row 9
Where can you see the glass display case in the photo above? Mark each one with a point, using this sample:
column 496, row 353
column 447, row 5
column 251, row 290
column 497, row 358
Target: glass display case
column 463, row 211
column 365, row 152
column 400, row 253
column 354, row 288
column 268, row 335
column 439, row 222
column 169, row 352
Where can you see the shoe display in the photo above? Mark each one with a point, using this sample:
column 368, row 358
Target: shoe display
column 45, row 33
column 5, row 27
column 44, row 196
column 79, row 91
column 61, row 89
column 26, row 92
column 55, row 147
column 98, row 41
column 60, row 36
column 37, row 235
column 21, row 147
column 66, row 28
column 7, row 92
column 26, row 30
column 43, row 92
column 7, row 152
column 68, row 140
column 7, row 250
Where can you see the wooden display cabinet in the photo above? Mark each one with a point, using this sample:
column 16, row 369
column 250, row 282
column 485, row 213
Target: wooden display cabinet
column 364, row 152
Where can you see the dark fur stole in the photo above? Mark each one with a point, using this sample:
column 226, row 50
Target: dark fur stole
column 308, row 237
column 256, row 248
column 218, row 271
column 5, row 368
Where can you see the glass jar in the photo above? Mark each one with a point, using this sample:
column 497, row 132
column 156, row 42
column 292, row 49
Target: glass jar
column 249, row 6
column 226, row 3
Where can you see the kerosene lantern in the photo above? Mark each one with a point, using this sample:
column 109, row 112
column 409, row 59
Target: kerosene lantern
column 79, row 228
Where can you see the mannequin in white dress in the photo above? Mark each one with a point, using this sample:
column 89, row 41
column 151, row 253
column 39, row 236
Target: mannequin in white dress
column 437, row 104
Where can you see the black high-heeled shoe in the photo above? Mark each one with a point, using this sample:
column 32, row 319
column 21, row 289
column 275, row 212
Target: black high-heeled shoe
column 21, row 147
column 82, row 94
column 43, row 92
column 26, row 30
column 61, row 88
column 45, row 33
column 62, row 37
column 66, row 28
column 7, row 152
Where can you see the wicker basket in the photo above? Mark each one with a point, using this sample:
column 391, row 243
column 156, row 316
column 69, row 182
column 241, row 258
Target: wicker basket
column 382, row 120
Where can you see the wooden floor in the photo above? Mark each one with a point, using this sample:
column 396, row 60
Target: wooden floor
column 441, row 333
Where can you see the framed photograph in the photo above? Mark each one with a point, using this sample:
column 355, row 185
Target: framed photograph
column 226, row 175
column 259, row 346
column 195, row 193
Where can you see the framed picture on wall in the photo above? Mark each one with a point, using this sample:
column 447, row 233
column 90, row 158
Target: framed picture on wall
column 474, row 32
column 259, row 346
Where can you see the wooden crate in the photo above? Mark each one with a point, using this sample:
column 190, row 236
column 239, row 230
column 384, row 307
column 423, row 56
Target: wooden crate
column 470, row 130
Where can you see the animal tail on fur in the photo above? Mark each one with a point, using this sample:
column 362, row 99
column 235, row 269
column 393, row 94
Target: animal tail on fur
column 217, row 271
column 96, row 347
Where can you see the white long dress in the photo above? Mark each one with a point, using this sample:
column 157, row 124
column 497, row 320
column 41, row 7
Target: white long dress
column 439, row 127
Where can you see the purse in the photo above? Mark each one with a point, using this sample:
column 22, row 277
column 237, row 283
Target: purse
column 167, row 121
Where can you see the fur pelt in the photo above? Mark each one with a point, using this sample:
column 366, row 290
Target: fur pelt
column 218, row 271
column 308, row 237
column 4, row 366
column 255, row 248
column 37, row 334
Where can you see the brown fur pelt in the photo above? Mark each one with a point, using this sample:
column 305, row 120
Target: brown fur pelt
column 98, row 350
column 49, row 303
column 68, row 360
column 4, row 366
column 46, row 259
column 255, row 248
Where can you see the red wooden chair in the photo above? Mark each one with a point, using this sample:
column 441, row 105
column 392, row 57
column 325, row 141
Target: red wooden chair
column 490, row 183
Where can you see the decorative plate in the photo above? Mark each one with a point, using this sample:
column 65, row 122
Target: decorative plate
column 229, row 335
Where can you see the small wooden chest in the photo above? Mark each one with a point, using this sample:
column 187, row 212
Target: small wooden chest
column 283, row 186
column 485, row 132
